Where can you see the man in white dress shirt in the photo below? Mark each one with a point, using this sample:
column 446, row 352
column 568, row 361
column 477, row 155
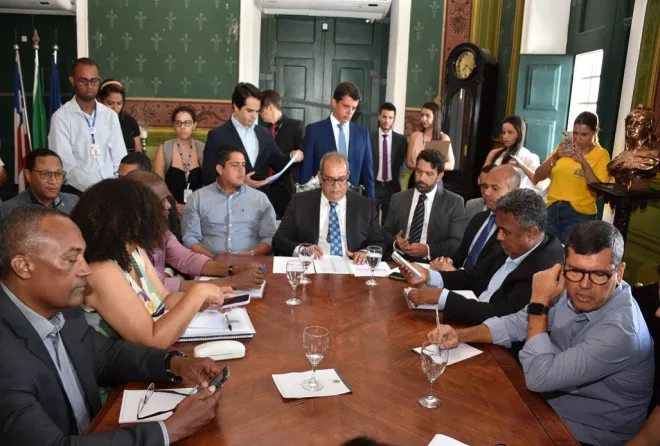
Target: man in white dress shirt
column 85, row 133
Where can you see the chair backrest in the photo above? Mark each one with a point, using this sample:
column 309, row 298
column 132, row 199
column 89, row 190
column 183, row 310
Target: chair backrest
column 314, row 183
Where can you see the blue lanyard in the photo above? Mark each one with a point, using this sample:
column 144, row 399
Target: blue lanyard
column 92, row 126
column 186, row 167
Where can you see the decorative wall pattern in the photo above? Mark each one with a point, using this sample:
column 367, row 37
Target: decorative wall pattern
column 425, row 51
column 167, row 48
column 159, row 113
column 457, row 28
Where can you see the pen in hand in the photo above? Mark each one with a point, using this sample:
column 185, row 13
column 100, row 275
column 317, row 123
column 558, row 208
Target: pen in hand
column 228, row 322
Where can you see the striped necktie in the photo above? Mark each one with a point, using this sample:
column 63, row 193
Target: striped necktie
column 415, row 233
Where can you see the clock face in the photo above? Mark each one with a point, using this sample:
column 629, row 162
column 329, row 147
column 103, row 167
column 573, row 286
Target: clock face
column 465, row 64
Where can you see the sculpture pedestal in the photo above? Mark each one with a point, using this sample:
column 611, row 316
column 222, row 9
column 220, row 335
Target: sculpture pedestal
column 623, row 202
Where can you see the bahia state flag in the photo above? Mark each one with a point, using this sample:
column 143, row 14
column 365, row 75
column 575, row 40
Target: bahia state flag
column 21, row 127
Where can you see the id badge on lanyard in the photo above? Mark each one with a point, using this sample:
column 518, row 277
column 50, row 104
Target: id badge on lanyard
column 187, row 192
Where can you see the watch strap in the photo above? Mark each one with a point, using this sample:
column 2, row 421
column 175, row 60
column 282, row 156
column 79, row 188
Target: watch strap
column 537, row 309
column 173, row 377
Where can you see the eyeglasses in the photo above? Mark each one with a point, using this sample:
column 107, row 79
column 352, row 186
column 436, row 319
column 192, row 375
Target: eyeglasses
column 83, row 81
column 45, row 174
column 596, row 277
column 148, row 394
column 186, row 123
column 335, row 181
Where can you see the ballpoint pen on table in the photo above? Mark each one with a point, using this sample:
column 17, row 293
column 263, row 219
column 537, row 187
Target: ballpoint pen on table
column 228, row 322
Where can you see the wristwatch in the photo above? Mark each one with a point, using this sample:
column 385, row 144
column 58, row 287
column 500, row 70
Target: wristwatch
column 537, row 309
column 230, row 270
column 173, row 377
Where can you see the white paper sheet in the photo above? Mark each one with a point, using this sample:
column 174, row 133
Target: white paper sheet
column 272, row 178
column 460, row 353
column 255, row 292
column 468, row 294
column 382, row 270
column 158, row 402
column 279, row 265
column 443, row 440
column 289, row 384
column 333, row 265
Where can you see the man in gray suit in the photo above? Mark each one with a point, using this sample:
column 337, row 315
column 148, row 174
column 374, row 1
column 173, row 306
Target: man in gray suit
column 428, row 221
column 476, row 205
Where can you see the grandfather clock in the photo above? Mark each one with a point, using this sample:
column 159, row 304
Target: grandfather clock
column 468, row 104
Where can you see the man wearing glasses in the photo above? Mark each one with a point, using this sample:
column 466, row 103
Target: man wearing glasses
column 45, row 176
column 335, row 221
column 85, row 133
column 587, row 348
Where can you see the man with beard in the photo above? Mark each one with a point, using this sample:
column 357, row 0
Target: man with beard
column 85, row 133
column 428, row 221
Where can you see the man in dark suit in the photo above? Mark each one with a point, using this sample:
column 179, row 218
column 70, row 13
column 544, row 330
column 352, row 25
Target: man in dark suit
column 480, row 237
column 502, row 283
column 427, row 221
column 242, row 131
column 338, row 133
column 53, row 362
column 334, row 221
column 288, row 134
column 388, row 151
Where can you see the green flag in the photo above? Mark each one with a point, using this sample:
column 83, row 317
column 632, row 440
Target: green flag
column 39, row 119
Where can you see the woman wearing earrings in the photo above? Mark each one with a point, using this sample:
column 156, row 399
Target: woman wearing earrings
column 112, row 94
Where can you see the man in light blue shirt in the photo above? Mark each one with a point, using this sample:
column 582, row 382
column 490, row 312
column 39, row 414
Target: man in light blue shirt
column 228, row 216
column 588, row 350
column 85, row 133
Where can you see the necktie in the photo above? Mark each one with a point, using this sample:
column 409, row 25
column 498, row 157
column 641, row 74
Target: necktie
column 384, row 172
column 273, row 133
column 415, row 233
column 479, row 244
column 334, row 232
column 68, row 375
column 342, row 140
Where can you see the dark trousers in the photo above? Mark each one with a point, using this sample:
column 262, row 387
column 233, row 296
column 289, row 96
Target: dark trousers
column 384, row 192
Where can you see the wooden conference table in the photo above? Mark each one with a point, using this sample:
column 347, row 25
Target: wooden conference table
column 372, row 332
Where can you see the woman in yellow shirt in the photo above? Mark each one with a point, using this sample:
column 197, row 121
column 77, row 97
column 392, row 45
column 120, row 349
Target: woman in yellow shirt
column 570, row 169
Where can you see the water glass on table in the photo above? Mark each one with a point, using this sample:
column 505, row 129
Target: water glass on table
column 294, row 272
column 434, row 362
column 315, row 342
column 374, row 256
column 306, row 256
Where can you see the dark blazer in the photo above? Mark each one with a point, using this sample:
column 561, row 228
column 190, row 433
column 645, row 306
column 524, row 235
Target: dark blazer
column 320, row 139
column 512, row 296
column 300, row 223
column 397, row 155
column 34, row 408
column 227, row 136
column 446, row 221
column 469, row 235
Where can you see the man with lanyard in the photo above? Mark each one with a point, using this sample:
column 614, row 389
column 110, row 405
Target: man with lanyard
column 85, row 133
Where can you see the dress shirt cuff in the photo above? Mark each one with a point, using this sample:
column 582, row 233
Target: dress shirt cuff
column 428, row 252
column 443, row 299
column 435, row 279
column 296, row 251
column 498, row 331
column 173, row 284
column 166, row 435
column 539, row 344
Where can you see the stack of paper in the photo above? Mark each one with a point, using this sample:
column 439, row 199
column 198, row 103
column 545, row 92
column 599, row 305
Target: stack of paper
column 255, row 292
column 157, row 402
column 382, row 270
column 211, row 325
column 289, row 384
column 458, row 354
column 279, row 265
column 333, row 265
column 468, row 294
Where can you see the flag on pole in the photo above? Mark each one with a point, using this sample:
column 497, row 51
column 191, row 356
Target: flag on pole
column 21, row 125
column 39, row 125
column 55, row 93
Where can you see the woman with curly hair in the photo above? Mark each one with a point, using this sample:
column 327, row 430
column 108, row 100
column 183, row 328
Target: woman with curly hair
column 120, row 220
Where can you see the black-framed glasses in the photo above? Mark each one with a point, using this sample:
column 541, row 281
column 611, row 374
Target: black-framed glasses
column 147, row 395
column 334, row 181
column 186, row 123
column 85, row 81
column 596, row 277
column 46, row 174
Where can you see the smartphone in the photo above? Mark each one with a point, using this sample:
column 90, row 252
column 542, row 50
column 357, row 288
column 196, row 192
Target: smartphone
column 401, row 261
column 568, row 139
column 396, row 276
column 218, row 381
column 235, row 301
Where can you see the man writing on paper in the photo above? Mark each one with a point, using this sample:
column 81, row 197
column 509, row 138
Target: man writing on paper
column 53, row 362
column 588, row 350
column 502, row 283
column 337, row 222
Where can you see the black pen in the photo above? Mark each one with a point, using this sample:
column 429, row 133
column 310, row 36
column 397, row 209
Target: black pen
column 228, row 323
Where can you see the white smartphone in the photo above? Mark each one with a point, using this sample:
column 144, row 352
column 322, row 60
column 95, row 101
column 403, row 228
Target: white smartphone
column 568, row 139
column 235, row 301
column 401, row 261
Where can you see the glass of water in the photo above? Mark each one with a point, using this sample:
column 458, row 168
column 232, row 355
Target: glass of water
column 294, row 272
column 434, row 362
column 374, row 256
column 315, row 343
column 306, row 256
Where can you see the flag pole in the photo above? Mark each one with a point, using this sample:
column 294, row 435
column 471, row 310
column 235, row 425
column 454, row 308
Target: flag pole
column 20, row 76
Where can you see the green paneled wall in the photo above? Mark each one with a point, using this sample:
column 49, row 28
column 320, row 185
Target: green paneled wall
column 504, row 56
column 425, row 51
column 167, row 48
column 647, row 51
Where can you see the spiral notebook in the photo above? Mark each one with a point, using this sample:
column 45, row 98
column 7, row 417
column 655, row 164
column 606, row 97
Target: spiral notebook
column 213, row 325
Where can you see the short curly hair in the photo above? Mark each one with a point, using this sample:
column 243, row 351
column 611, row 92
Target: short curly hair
column 117, row 212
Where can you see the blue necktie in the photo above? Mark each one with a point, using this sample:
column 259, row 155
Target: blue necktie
column 334, row 232
column 479, row 244
column 342, row 140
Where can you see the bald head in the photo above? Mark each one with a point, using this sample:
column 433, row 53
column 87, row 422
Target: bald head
column 144, row 177
column 499, row 181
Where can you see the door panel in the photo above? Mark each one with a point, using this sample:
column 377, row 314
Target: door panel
column 542, row 99
column 294, row 79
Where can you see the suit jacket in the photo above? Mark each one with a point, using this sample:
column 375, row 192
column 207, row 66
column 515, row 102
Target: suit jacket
column 446, row 221
column 512, row 296
column 320, row 139
column 34, row 408
column 397, row 155
column 227, row 136
column 473, row 207
column 300, row 223
column 469, row 235
column 289, row 137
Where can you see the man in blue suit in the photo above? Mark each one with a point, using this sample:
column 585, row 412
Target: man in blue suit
column 339, row 134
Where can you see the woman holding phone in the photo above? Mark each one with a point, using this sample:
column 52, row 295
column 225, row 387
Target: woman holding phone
column 574, row 164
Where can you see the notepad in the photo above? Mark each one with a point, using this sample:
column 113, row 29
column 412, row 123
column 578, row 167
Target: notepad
column 460, row 353
column 289, row 384
column 468, row 294
column 254, row 292
column 211, row 325
column 157, row 402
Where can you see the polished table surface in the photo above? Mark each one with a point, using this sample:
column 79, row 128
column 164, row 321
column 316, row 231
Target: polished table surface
column 372, row 332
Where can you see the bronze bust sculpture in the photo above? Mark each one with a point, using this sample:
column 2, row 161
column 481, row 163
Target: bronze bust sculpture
column 634, row 168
